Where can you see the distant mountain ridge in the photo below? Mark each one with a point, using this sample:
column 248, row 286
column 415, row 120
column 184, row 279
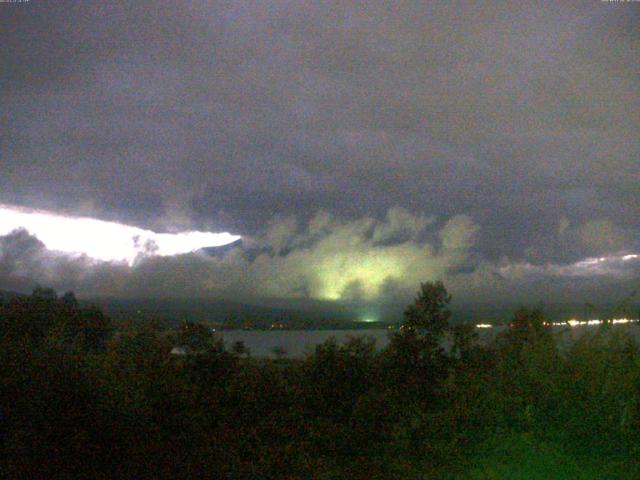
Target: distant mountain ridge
column 224, row 313
column 317, row 314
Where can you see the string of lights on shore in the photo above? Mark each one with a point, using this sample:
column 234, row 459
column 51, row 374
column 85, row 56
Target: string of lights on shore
column 575, row 323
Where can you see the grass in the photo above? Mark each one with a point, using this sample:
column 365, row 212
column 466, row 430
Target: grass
column 525, row 457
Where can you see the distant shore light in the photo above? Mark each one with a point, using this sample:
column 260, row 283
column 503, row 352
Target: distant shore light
column 368, row 320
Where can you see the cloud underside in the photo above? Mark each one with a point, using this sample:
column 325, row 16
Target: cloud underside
column 215, row 115
column 325, row 258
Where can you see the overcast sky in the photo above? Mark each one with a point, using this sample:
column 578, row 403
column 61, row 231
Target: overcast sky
column 361, row 149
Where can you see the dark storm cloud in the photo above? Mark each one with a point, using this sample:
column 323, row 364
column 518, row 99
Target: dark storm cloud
column 222, row 115
column 328, row 259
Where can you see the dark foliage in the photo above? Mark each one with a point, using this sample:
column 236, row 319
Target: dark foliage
column 79, row 400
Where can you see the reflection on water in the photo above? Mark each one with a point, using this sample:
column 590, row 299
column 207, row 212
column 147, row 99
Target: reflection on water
column 296, row 343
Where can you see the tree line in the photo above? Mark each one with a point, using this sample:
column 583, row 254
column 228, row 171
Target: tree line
column 80, row 398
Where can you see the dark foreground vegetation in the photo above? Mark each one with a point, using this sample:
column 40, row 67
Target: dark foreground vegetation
column 80, row 400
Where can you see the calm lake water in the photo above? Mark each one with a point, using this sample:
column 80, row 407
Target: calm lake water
column 296, row 343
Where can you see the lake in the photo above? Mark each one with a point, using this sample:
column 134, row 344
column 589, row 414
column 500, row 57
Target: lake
column 296, row 343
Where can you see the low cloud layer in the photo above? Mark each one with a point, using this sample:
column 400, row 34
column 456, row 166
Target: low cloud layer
column 325, row 258
column 107, row 241
column 215, row 115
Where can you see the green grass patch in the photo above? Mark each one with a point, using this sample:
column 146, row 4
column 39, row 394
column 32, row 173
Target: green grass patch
column 523, row 456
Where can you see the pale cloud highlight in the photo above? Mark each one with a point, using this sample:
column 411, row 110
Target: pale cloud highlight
column 104, row 241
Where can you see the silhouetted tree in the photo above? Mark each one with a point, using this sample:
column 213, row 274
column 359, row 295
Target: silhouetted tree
column 415, row 362
column 69, row 299
column 429, row 315
column 31, row 317
column 464, row 337
column 196, row 336
column 528, row 327
column 98, row 409
column 44, row 294
column 95, row 328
